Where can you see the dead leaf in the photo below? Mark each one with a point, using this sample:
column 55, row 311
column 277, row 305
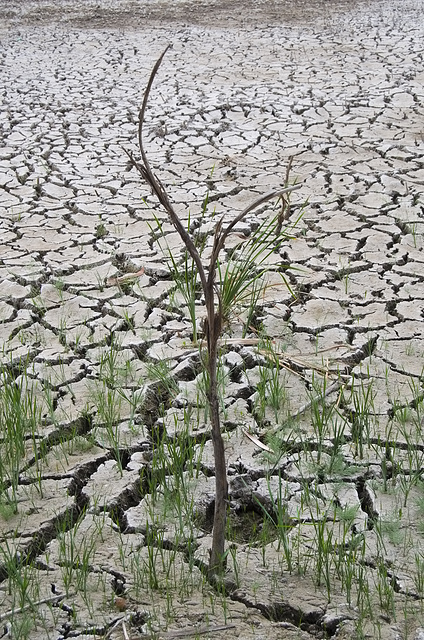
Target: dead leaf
column 256, row 441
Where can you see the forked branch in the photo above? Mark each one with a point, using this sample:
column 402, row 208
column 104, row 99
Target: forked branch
column 159, row 190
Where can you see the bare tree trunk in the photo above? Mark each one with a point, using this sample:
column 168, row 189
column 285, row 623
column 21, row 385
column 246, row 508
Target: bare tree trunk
column 216, row 562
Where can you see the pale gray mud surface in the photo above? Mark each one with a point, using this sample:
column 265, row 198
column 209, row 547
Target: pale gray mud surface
column 89, row 315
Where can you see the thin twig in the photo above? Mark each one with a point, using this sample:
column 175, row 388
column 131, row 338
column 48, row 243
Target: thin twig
column 182, row 633
column 333, row 387
column 285, row 202
column 288, row 169
column 113, row 627
column 28, row 607
column 124, row 630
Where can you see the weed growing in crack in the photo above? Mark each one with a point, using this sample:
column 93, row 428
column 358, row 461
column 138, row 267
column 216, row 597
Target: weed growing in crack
column 76, row 550
column 20, row 417
column 171, row 481
column 391, row 529
column 21, row 628
column 280, row 521
column 242, row 276
column 252, row 304
column 108, row 403
column 321, row 415
column 235, row 566
column 362, row 414
column 385, row 588
column 324, row 554
column 184, row 272
column 344, row 565
column 112, row 400
column 161, row 371
column 156, row 567
column 338, row 438
column 22, row 584
column 271, row 389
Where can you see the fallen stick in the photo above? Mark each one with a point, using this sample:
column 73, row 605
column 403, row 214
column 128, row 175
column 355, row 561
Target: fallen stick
column 333, row 387
column 182, row 633
column 27, row 607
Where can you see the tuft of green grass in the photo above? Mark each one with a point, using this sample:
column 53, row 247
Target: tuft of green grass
column 20, row 419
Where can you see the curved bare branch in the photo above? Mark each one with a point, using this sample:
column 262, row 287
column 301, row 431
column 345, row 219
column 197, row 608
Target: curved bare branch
column 275, row 193
column 221, row 237
column 157, row 187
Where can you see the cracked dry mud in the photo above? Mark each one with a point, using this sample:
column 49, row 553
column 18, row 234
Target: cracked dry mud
column 105, row 358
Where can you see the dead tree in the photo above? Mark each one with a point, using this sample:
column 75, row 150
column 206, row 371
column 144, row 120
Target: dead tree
column 213, row 325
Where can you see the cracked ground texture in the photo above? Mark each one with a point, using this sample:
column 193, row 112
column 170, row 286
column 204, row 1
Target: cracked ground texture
column 107, row 429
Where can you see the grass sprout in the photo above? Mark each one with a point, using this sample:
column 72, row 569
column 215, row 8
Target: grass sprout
column 20, row 419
